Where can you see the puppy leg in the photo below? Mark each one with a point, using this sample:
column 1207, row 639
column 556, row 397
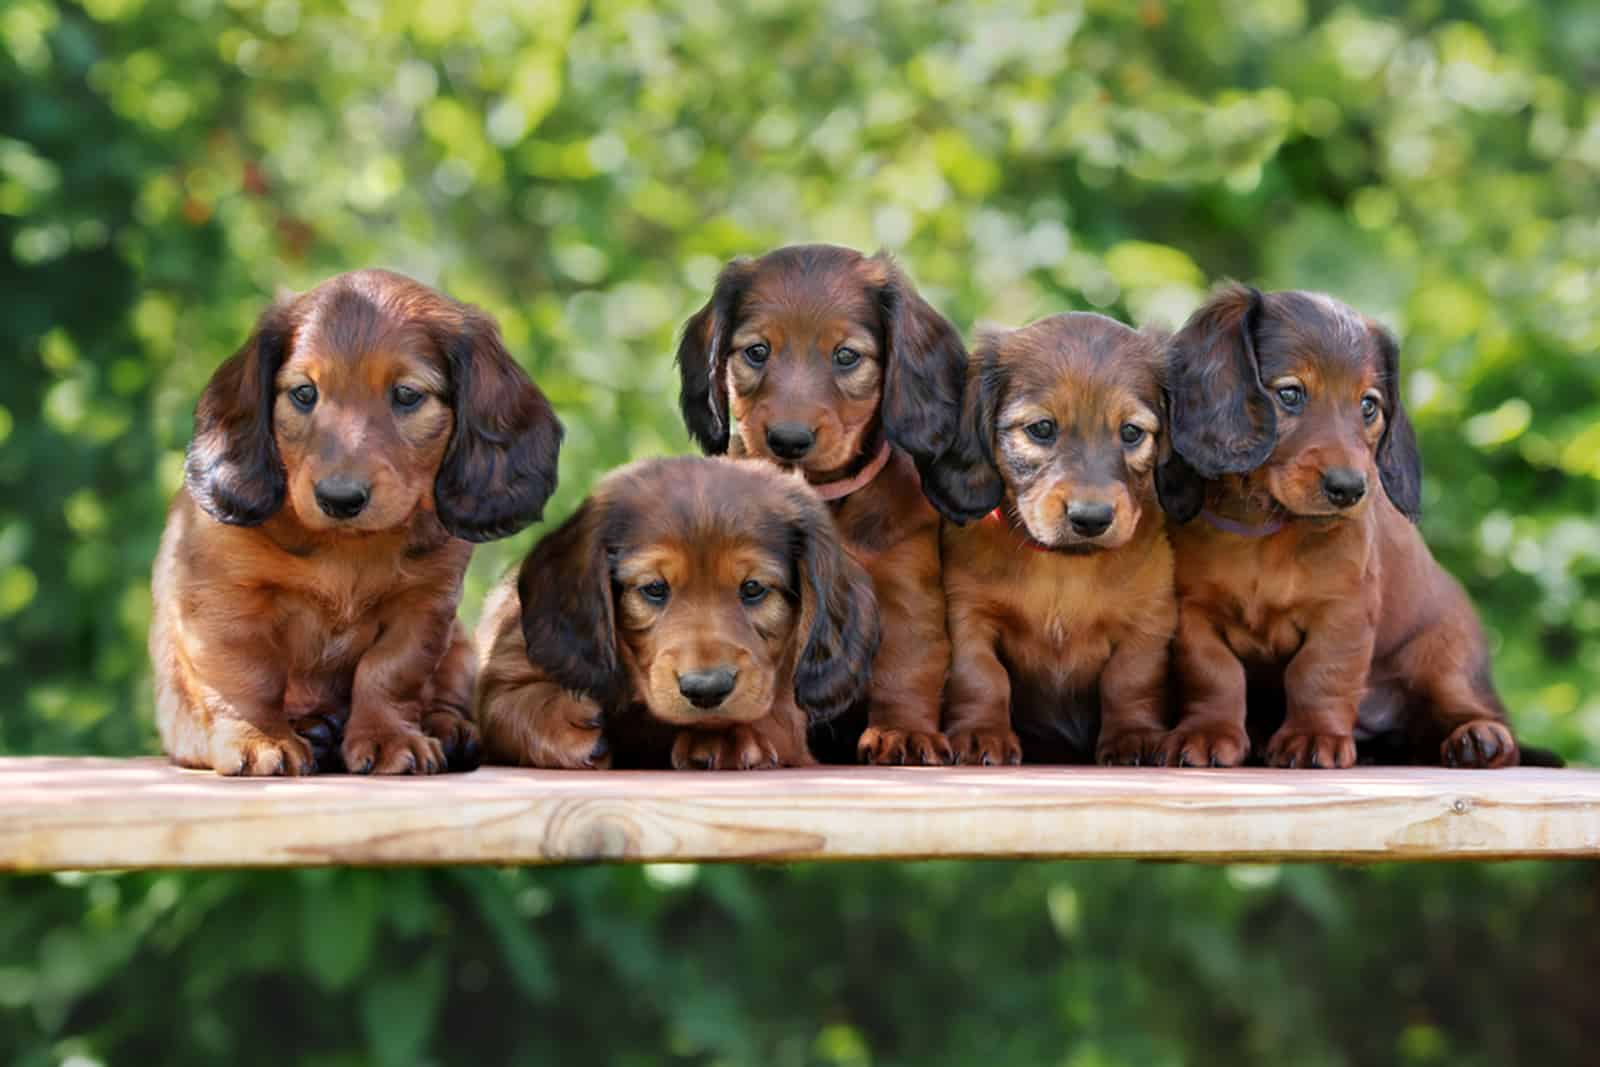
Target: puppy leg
column 234, row 695
column 1210, row 731
column 1324, row 684
column 1133, row 701
column 778, row 739
column 447, row 703
column 979, row 719
column 908, row 673
column 538, row 724
column 384, row 734
column 1448, row 666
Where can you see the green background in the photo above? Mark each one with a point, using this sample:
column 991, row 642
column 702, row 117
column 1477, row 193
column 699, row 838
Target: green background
column 582, row 170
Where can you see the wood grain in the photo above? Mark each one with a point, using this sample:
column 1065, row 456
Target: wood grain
column 62, row 813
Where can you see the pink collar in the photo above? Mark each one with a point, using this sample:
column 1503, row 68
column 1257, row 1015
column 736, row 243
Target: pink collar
column 1234, row 526
column 845, row 486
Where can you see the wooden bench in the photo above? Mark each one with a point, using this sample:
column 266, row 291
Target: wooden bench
column 75, row 813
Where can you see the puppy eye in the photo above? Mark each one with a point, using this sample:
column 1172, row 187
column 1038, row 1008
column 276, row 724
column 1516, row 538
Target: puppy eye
column 1043, row 431
column 407, row 398
column 757, row 354
column 304, row 397
column 1292, row 397
column 846, row 357
column 1131, row 434
column 1369, row 408
column 655, row 592
column 752, row 591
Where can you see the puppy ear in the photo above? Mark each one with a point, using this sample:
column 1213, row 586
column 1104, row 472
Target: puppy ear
column 964, row 483
column 703, row 356
column 568, row 620
column 1179, row 489
column 1223, row 421
column 925, row 369
column 838, row 621
column 500, row 467
column 1399, row 459
column 232, row 468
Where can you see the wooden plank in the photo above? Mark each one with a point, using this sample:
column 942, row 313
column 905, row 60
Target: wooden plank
column 68, row 813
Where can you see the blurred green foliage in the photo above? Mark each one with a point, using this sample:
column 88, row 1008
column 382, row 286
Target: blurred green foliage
column 582, row 170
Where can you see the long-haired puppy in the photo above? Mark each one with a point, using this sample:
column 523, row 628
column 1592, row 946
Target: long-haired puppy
column 828, row 362
column 1061, row 602
column 1304, row 582
column 693, row 612
column 343, row 462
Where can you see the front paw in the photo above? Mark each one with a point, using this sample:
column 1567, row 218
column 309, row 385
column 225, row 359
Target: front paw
column 1482, row 744
column 1310, row 750
column 986, row 748
column 923, row 748
column 736, row 748
column 324, row 732
column 1203, row 745
column 244, row 750
column 457, row 735
column 394, row 748
column 1128, row 748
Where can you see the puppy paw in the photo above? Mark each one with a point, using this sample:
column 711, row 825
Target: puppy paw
column 1483, row 743
column 1210, row 745
column 1303, row 749
column 570, row 744
column 324, row 732
column 1128, row 748
column 986, row 748
column 244, row 750
column 736, row 748
column 396, row 748
column 457, row 735
column 920, row 748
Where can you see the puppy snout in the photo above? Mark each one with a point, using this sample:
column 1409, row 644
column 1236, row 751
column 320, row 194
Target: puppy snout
column 343, row 498
column 707, row 689
column 790, row 440
column 1090, row 518
column 1344, row 487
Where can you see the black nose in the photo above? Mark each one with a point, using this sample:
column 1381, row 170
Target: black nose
column 706, row 689
column 1090, row 520
column 1344, row 487
column 342, row 498
column 790, row 440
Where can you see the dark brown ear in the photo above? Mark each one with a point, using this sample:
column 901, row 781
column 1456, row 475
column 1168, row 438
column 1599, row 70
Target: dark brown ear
column 703, row 356
column 926, row 369
column 232, row 468
column 1223, row 421
column 838, row 621
column 500, row 467
column 1180, row 490
column 568, row 618
column 1399, row 459
column 964, row 483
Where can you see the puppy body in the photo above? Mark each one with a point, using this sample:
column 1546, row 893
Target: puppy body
column 309, row 572
column 1062, row 635
column 1307, row 593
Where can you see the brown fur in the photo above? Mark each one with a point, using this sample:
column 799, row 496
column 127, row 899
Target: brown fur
column 270, row 613
column 674, row 568
column 1340, row 622
column 1062, row 635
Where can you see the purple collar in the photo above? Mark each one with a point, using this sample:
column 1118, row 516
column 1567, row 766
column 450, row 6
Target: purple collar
column 1233, row 526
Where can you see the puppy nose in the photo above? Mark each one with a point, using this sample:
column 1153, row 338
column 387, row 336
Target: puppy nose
column 707, row 689
column 1344, row 487
column 342, row 498
column 1090, row 519
column 790, row 440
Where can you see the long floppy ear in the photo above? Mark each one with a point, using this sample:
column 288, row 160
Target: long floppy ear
column 1180, row 490
column 926, row 369
column 500, row 467
column 703, row 355
column 1223, row 421
column 964, row 483
column 232, row 468
column 568, row 619
column 1399, row 459
column 838, row 621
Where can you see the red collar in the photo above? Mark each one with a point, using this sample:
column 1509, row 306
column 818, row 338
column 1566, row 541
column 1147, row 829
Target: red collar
column 845, row 486
column 997, row 515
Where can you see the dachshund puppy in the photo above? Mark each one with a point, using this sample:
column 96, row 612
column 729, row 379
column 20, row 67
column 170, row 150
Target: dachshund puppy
column 1061, row 602
column 828, row 362
column 1306, row 583
column 697, row 612
column 342, row 462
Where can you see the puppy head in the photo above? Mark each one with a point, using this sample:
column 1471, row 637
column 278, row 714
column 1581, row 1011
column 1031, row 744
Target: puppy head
column 701, row 588
column 1300, row 395
column 812, row 354
column 366, row 399
column 1069, row 410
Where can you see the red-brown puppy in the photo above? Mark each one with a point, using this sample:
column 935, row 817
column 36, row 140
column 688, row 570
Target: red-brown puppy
column 1061, row 603
column 693, row 611
column 1305, row 582
column 826, row 361
column 342, row 462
